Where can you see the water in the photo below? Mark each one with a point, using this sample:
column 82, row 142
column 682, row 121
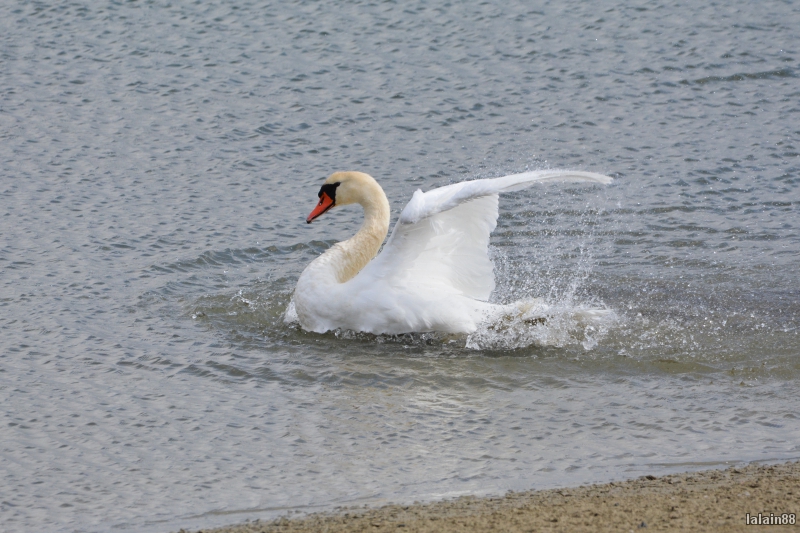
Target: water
column 157, row 162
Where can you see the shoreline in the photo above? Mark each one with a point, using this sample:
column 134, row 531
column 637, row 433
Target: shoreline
column 708, row 500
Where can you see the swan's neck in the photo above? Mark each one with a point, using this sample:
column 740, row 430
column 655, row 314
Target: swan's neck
column 350, row 256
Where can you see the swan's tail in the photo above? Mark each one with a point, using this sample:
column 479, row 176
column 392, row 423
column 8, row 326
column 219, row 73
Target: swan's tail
column 290, row 315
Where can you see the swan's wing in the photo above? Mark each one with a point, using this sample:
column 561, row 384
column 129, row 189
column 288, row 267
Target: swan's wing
column 441, row 239
column 444, row 251
column 426, row 204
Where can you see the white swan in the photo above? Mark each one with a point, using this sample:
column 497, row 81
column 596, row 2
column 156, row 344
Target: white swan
column 433, row 274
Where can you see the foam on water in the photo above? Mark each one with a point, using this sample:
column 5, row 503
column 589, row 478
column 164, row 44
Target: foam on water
column 534, row 323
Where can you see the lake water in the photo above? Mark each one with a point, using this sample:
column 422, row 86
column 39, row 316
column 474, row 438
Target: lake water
column 157, row 163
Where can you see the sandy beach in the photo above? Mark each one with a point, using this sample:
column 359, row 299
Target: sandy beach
column 712, row 500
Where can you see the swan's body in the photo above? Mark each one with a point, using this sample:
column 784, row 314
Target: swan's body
column 433, row 274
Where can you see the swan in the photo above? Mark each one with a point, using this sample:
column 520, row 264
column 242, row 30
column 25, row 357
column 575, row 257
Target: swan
column 434, row 272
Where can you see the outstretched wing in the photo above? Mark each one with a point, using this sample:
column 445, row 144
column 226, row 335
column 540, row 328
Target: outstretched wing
column 441, row 239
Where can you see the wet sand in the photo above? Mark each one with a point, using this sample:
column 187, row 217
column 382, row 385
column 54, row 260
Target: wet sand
column 712, row 500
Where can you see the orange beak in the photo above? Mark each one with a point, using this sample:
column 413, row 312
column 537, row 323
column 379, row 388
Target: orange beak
column 324, row 204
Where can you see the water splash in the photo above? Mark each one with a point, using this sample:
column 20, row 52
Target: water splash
column 535, row 323
column 543, row 280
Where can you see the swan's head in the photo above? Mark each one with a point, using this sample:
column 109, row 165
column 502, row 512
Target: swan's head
column 342, row 188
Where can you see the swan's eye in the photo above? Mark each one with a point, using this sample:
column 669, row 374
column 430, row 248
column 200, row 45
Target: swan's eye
column 330, row 190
